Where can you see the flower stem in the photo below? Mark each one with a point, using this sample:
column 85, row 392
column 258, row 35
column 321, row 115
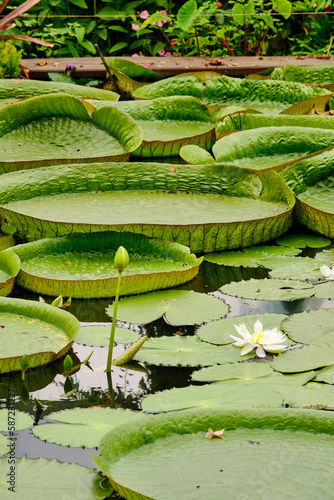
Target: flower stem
column 113, row 325
column 170, row 43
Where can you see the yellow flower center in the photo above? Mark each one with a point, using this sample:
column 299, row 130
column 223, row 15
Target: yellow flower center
column 258, row 337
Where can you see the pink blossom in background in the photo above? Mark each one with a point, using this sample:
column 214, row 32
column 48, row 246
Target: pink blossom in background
column 135, row 55
column 164, row 13
column 168, row 54
column 135, row 27
column 161, row 52
column 147, row 65
column 144, row 14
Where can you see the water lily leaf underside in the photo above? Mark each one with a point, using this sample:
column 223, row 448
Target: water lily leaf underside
column 82, row 265
column 206, row 208
column 41, row 331
column 54, row 129
column 177, row 445
column 9, row 268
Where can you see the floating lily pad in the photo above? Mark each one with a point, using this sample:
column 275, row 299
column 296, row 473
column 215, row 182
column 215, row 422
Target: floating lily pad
column 83, row 426
column 310, row 327
column 179, row 307
column 312, row 181
column 312, row 395
column 249, row 257
column 15, row 418
column 9, row 268
column 165, row 465
column 32, row 478
column 296, row 268
column 270, row 289
column 266, row 96
column 324, row 290
column 303, row 359
column 219, row 332
column 41, row 331
column 321, row 74
column 180, row 351
column 303, row 240
column 21, row 89
column 245, row 372
column 54, row 129
column 99, row 335
column 271, row 147
column 207, row 209
column 168, row 123
column 82, row 265
column 217, row 395
column 326, row 375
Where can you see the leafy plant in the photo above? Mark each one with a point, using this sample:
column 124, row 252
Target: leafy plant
column 9, row 60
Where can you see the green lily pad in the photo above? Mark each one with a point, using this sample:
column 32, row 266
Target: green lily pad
column 321, row 74
column 41, row 331
column 324, row 290
column 217, row 395
column 99, row 335
column 7, row 239
column 244, row 372
column 58, row 129
column 179, row 307
column 15, row 418
column 82, row 265
column 249, row 257
column 325, row 375
column 196, row 155
column 168, row 123
column 312, row 181
column 133, row 70
column 312, row 395
column 219, row 332
column 266, row 96
column 205, row 208
column 296, row 268
column 180, row 351
column 83, row 426
column 310, row 327
column 9, row 268
column 32, row 478
column 303, row 359
column 270, row 147
column 303, row 240
column 168, row 447
column 270, row 289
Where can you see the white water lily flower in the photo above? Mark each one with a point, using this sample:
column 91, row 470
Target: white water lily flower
column 261, row 340
column 327, row 272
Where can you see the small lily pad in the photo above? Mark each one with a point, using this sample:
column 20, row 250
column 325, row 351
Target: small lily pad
column 19, row 419
column 296, row 268
column 312, row 395
column 244, row 372
column 99, row 335
column 218, row 395
column 303, row 240
column 270, row 289
column 184, row 351
column 179, row 307
column 326, row 375
column 303, row 359
column 60, row 480
column 249, row 257
column 310, row 327
column 82, row 426
column 219, row 332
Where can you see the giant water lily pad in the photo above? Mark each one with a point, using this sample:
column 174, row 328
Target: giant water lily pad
column 264, row 148
column 82, row 265
column 168, row 123
column 270, row 289
column 312, row 181
column 40, row 331
column 179, row 307
column 205, row 208
column 21, row 89
column 54, row 129
column 83, row 426
column 141, row 461
column 9, row 268
column 318, row 74
column 266, row 96
column 32, row 478
column 217, row 395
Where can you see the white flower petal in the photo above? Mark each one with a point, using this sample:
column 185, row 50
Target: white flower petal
column 275, row 348
column 248, row 348
column 242, row 330
column 325, row 270
column 260, row 352
column 239, row 341
column 258, row 326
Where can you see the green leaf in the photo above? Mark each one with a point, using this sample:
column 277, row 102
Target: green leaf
column 310, row 327
column 87, row 44
column 296, row 268
column 283, row 7
column 118, row 46
column 58, row 479
column 79, row 33
column 196, row 155
column 241, row 11
column 244, row 372
column 324, row 290
column 326, row 375
column 187, row 14
column 250, row 256
column 99, row 335
column 312, row 395
column 270, row 289
column 82, row 426
column 179, row 307
column 18, row 419
column 303, row 240
column 80, row 3
column 303, row 359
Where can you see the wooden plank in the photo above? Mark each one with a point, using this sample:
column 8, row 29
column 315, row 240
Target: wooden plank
column 169, row 66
